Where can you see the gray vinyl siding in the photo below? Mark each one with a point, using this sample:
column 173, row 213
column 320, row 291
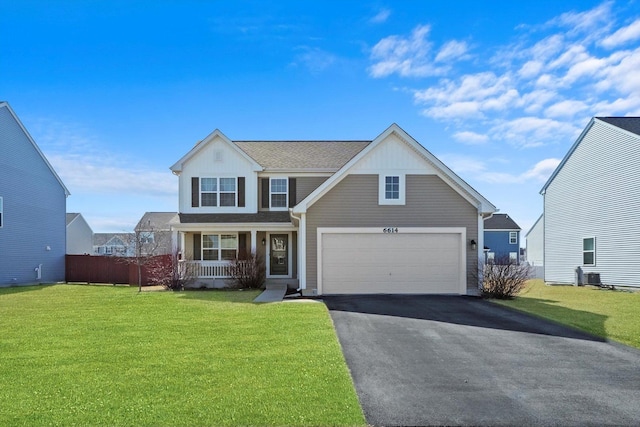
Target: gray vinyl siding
column 306, row 185
column 34, row 216
column 430, row 202
column 595, row 194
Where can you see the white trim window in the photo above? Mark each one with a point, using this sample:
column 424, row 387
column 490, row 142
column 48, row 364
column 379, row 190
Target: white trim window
column 513, row 257
column 513, row 237
column 278, row 193
column 589, row 251
column 1, row 213
column 391, row 189
column 218, row 192
column 219, row 247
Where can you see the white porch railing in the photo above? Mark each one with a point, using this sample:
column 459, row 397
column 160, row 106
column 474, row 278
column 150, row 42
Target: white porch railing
column 210, row 269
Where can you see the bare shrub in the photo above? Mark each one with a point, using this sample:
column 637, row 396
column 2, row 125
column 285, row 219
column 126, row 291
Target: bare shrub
column 171, row 272
column 503, row 278
column 249, row 270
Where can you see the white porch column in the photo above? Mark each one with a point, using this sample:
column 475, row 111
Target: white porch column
column 254, row 236
column 480, row 246
column 302, row 252
column 182, row 244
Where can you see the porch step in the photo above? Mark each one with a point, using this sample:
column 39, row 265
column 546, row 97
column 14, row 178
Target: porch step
column 272, row 293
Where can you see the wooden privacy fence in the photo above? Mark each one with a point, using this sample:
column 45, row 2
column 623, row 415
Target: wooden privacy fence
column 107, row 269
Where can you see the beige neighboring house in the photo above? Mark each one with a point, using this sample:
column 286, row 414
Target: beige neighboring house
column 79, row 235
column 154, row 232
column 331, row 217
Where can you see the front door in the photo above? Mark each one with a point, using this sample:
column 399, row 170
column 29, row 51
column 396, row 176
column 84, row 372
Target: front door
column 279, row 256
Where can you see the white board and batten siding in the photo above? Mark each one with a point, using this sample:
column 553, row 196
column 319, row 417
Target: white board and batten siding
column 218, row 160
column 595, row 193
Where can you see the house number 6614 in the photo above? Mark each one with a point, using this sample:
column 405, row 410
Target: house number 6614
column 390, row 230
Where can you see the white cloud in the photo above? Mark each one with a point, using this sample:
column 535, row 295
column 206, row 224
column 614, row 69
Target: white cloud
column 542, row 170
column 381, row 16
column 623, row 35
column 405, row 56
column 565, row 109
column 592, row 22
column 471, row 138
column 533, row 131
column 314, row 59
column 452, row 50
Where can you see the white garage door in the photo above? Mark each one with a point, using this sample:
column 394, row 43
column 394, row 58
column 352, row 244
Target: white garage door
column 416, row 263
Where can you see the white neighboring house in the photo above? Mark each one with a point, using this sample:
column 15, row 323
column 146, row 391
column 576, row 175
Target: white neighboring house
column 114, row 244
column 79, row 235
column 535, row 247
column 592, row 206
column 154, row 232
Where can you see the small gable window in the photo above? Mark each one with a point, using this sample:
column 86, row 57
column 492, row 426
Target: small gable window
column 391, row 190
column 513, row 237
column 589, row 251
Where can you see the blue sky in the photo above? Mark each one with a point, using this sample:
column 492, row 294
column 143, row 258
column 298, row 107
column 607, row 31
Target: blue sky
column 115, row 92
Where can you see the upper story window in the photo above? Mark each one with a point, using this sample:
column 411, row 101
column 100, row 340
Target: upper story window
column 589, row 251
column 1, row 212
column 513, row 237
column 278, row 193
column 218, row 191
column 391, row 190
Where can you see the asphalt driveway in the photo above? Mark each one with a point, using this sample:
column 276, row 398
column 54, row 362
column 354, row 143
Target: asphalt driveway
column 439, row 360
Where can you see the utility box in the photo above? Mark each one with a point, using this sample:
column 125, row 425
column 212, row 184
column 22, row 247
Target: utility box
column 592, row 279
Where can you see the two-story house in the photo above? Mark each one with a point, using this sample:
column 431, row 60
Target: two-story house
column 153, row 233
column 331, row 217
column 592, row 207
column 501, row 239
column 33, row 203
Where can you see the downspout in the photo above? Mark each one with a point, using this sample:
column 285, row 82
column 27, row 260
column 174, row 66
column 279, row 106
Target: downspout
column 302, row 250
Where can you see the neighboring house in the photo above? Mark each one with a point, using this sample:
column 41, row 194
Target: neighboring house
column 33, row 203
column 535, row 247
column 79, row 235
column 592, row 206
column 331, row 217
column 114, row 244
column 154, row 233
column 501, row 238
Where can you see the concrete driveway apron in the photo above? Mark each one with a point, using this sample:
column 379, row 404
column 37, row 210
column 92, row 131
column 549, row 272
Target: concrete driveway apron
column 440, row 360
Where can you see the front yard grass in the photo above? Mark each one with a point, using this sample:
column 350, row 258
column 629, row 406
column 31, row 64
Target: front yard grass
column 605, row 313
column 103, row 355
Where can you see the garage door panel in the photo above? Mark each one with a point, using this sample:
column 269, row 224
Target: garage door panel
column 391, row 263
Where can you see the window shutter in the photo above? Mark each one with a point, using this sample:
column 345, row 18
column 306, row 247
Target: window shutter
column 197, row 247
column 241, row 192
column 242, row 246
column 195, row 192
column 265, row 193
column 292, row 192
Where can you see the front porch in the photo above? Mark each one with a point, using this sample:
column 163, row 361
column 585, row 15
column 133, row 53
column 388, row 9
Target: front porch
column 208, row 254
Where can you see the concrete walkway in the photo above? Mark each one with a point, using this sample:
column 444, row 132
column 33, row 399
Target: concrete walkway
column 272, row 293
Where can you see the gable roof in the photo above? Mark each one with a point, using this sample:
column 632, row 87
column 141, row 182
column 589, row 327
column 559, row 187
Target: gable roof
column 499, row 221
column 177, row 166
column 302, row 155
column 535, row 224
column 157, row 221
column 454, row 180
column 71, row 217
column 5, row 104
column 629, row 125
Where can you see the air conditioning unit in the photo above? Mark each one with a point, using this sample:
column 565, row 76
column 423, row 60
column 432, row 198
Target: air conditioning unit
column 592, row 279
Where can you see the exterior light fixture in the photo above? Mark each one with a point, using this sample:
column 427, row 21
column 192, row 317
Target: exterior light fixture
column 473, row 244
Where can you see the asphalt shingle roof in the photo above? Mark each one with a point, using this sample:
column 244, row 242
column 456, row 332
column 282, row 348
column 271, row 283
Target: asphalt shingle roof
column 155, row 221
column 302, row 154
column 631, row 124
column 263, row 216
column 500, row 222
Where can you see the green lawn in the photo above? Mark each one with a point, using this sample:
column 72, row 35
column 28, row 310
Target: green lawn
column 103, row 355
column 608, row 314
